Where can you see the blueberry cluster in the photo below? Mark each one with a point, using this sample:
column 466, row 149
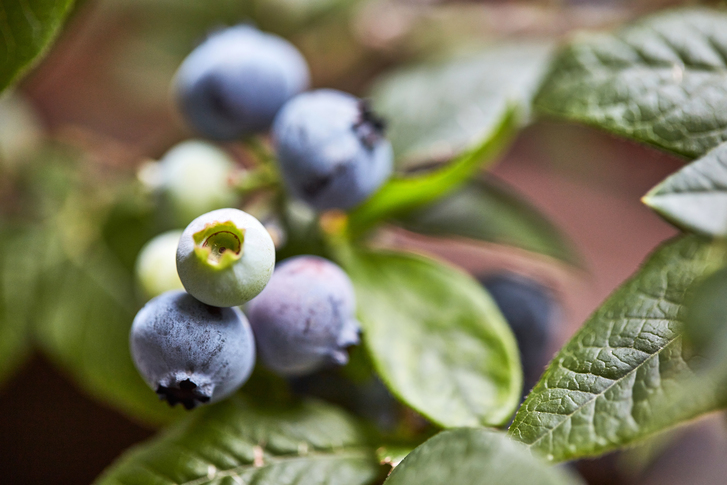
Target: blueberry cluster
column 331, row 147
column 196, row 346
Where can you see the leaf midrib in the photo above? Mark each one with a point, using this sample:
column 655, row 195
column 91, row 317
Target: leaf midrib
column 280, row 459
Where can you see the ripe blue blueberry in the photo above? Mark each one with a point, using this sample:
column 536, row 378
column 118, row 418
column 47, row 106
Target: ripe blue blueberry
column 530, row 311
column 305, row 317
column 225, row 257
column 235, row 82
column 156, row 265
column 194, row 177
column 331, row 149
column 189, row 352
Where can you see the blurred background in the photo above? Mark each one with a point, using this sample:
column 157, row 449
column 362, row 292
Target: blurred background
column 103, row 93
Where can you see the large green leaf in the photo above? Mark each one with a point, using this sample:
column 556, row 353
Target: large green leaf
column 436, row 339
column 602, row 389
column 28, row 29
column 438, row 111
column 403, row 193
column 465, row 110
column 488, row 211
column 695, row 197
column 468, row 456
column 662, row 81
column 237, row 442
column 82, row 314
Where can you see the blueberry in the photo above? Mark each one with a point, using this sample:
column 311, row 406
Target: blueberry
column 225, row 257
column 156, row 265
column 304, row 318
column 235, row 82
column 189, row 352
column 331, row 149
column 194, row 178
column 530, row 311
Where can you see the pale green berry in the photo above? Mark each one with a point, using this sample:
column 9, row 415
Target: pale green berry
column 225, row 257
column 194, row 177
column 156, row 265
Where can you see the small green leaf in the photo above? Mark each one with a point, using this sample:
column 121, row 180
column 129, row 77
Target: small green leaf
column 238, row 442
column 436, row 339
column 469, row 456
column 28, row 29
column 662, row 81
column 695, row 197
column 603, row 388
column 82, row 316
column 403, row 193
column 439, row 111
column 488, row 211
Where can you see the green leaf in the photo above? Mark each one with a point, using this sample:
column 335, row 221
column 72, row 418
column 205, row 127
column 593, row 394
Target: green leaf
column 603, row 388
column 488, row 211
column 439, row 111
column 695, row 197
column 466, row 110
column 436, row 339
column 82, row 315
column 706, row 316
column 237, row 442
column 28, row 29
column 403, row 193
column 661, row 81
column 20, row 268
column 469, row 456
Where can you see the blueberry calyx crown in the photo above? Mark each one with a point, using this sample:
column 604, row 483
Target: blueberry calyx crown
column 187, row 394
column 219, row 244
column 369, row 127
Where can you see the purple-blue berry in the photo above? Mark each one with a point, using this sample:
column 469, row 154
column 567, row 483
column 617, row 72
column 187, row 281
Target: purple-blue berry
column 189, row 352
column 331, row 149
column 305, row 317
column 234, row 83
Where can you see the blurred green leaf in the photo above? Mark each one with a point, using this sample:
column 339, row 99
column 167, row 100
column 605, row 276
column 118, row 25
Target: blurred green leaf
column 130, row 224
column 695, row 197
column 82, row 316
column 403, row 193
column 436, row 339
column 661, row 81
column 28, row 29
column 487, row 210
column 469, row 456
column 706, row 316
column 439, row 111
column 22, row 257
column 237, row 442
column 705, row 330
column 616, row 381
column 392, row 455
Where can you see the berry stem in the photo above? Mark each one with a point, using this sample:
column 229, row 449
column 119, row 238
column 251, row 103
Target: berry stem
column 259, row 178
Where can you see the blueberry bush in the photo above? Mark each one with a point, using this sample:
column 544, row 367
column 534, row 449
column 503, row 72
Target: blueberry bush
column 374, row 364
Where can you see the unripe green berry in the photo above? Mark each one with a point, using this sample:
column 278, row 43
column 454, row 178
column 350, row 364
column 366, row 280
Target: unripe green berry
column 195, row 177
column 156, row 265
column 225, row 257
